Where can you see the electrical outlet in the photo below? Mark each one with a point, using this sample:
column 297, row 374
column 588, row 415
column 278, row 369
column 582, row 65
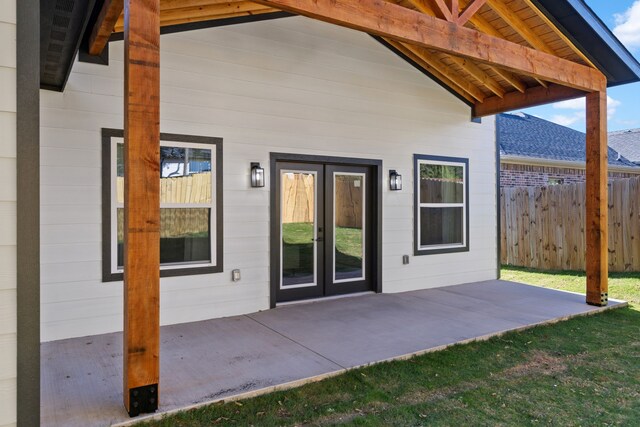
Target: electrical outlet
column 235, row 275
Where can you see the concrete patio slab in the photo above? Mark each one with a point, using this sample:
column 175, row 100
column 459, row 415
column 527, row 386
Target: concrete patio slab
column 224, row 359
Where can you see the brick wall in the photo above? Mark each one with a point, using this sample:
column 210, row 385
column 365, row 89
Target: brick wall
column 516, row 175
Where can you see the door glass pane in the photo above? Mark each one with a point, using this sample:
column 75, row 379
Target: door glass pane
column 348, row 217
column 441, row 184
column 185, row 236
column 441, row 226
column 298, row 221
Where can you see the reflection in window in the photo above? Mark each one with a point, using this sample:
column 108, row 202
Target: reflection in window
column 298, row 222
column 348, row 227
column 187, row 204
column 441, row 205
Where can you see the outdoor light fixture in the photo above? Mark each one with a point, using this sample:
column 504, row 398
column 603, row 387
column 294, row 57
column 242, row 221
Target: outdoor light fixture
column 257, row 175
column 395, row 180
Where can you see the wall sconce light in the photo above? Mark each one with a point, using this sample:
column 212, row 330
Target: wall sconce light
column 395, row 180
column 257, row 175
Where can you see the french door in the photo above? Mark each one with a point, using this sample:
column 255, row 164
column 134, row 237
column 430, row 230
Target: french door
column 325, row 230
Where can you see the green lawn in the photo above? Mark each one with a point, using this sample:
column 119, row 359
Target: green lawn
column 582, row 372
column 348, row 240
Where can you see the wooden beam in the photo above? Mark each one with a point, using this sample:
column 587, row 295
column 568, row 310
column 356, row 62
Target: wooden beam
column 442, row 7
column 109, row 14
column 405, row 25
column 479, row 75
column 454, row 6
column 443, row 69
column 597, row 202
column 204, row 13
column 264, row 10
column 435, row 73
column 141, row 205
column 471, row 9
column 530, row 98
column 511, row 79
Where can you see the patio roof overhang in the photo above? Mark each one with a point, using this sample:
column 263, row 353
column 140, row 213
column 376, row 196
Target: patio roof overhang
column 494, row 55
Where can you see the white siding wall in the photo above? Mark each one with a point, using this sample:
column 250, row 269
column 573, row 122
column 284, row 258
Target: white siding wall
column 290, row 85
column 7, row 212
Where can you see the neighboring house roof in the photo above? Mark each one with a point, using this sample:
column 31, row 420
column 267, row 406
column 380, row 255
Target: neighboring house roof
column 627, row 143
column 521, row 135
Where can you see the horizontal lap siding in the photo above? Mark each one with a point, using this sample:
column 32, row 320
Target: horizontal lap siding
column 290, row 85
column 8, row 213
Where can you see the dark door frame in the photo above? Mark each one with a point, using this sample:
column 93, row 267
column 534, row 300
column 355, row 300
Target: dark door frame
column 274, row 225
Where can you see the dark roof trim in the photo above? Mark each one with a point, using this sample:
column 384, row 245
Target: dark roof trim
column 422, row 70
column 588, row 33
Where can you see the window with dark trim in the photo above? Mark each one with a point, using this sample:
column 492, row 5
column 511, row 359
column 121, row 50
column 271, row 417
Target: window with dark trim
column 190, row 205
column 441, row 217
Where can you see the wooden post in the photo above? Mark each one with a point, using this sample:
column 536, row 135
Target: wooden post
column 596, row 203
column 141, row 206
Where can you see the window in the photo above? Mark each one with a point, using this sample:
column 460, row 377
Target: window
column 441, row 204
column 555, row 181
column 190, row 205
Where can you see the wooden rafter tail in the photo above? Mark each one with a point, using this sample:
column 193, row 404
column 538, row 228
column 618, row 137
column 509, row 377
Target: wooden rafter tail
column 435, row 73
column 511, row 79
column 542, row 83
column 103, row 28
column 472, row 8
column 479, row 75
column 410, row 26
column 443, row 69
column 181, row 4
column 532, row 97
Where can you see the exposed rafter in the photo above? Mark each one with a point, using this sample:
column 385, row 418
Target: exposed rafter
column 109, row 14
column 416, row 28
column 471, row 9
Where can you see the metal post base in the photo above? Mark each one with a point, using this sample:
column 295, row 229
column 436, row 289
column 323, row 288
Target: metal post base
column 143, row 400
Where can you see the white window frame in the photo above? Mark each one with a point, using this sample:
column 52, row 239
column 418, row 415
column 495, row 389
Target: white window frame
column 443, row 248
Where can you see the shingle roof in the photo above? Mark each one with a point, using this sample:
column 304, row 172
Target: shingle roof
column 627, row 143
column 523, row 135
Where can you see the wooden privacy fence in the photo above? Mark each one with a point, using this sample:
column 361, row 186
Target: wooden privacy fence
column 183, row 190
column 298, row 199
column 544, row 227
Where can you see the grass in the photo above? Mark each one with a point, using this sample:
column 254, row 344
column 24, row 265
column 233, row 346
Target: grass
column 582, row 372
column 348, row 240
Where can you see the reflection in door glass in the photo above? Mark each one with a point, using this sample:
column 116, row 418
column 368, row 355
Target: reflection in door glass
column 348, row 217
column 298, row 223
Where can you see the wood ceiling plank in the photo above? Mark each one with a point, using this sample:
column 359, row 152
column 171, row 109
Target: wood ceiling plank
column 514, row 21
column 559, row 33
column 213, row 11
column 266, row 10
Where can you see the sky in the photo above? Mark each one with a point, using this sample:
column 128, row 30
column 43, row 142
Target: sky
column 623, row 18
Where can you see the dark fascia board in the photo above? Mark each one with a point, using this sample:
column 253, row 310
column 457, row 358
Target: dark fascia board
column 588, row 33
column 78, row 14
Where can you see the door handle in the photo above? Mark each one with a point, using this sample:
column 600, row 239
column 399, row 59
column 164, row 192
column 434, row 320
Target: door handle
column 319, row 239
